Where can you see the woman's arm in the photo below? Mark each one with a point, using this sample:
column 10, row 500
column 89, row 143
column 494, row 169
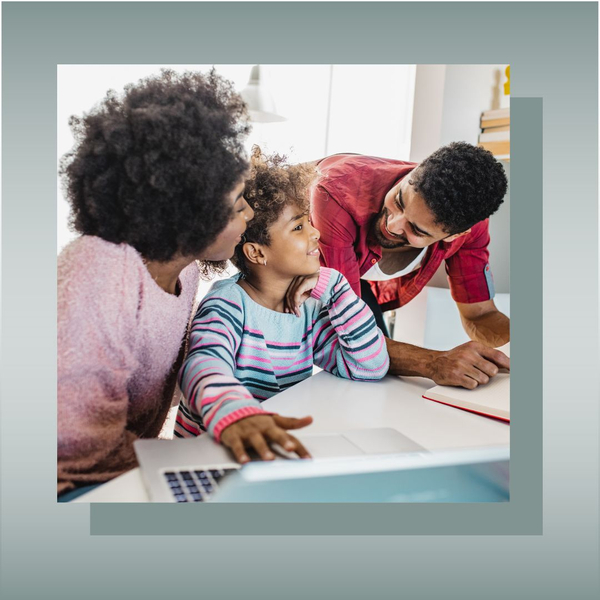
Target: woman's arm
column 95, row 364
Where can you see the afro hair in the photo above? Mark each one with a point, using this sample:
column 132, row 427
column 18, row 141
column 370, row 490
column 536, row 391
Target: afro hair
column 461, row 184
column 153, row 166
column 272, row 186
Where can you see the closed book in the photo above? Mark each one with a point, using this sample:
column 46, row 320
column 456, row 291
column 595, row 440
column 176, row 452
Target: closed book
column 497, row 113
column 501, row 122
column 494, row 129
column 494, row 136
column 496, row 148
column 491, row 399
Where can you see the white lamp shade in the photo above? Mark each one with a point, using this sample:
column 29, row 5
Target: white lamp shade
column 257, row 97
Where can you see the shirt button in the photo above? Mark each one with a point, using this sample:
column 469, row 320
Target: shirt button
column 373, row 261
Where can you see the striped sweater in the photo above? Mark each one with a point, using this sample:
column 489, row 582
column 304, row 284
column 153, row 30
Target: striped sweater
column 241, row 353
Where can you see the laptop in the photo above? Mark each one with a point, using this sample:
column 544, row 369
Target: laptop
column 193, row 469
column 462, row 475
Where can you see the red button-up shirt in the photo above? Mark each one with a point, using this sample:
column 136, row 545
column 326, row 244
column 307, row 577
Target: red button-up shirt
column 349, row 194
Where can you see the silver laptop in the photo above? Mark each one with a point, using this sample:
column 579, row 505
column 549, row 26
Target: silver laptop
column 193, row 469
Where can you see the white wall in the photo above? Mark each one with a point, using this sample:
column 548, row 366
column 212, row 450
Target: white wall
column 449, row 100
column 428, row 111
column 468, row 91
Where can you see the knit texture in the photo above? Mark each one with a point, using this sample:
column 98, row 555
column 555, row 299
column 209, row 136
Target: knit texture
column 242, row 353
column 119, row 337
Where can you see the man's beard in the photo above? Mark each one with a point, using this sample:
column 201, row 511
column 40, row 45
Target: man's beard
column 378, row 222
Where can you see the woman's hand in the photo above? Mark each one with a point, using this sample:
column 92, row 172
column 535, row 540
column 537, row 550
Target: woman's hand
column 257, row 431
column 299, row 291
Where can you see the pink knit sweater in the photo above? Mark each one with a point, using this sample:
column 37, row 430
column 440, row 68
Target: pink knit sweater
column 119, row 338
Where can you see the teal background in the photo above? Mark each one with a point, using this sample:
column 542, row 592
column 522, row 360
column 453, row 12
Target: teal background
column 48, row 548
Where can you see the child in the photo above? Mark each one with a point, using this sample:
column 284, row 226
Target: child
column 261, row 331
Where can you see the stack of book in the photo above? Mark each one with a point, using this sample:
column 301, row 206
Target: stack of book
column 495, row 132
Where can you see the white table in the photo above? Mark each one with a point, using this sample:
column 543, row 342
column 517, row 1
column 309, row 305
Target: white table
column 339, row 405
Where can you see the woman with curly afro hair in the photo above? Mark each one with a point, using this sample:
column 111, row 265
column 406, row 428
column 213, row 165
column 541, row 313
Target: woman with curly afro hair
column 155, row 183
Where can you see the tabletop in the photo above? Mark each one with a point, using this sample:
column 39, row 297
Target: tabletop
column 338, row 405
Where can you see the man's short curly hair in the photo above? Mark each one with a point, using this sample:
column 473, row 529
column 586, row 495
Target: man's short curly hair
column 461, row 184
column 272, row 186
column 151, row 166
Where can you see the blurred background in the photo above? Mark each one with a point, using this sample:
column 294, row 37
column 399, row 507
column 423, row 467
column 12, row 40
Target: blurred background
column 311, row 111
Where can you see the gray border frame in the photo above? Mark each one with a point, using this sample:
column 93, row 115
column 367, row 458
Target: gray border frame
column 553, row 56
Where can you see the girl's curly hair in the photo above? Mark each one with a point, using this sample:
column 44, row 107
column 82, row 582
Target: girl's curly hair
column 272, row 186
column 151, row 167
column 462, row 184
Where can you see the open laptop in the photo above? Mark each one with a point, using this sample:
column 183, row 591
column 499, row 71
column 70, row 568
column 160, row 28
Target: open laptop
column 460, row 475
column 193, row 469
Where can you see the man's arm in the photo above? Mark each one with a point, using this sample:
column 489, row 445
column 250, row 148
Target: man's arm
column 484, row 323
column 465, row 366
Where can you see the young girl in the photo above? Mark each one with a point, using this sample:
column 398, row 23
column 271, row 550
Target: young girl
column 261, row 331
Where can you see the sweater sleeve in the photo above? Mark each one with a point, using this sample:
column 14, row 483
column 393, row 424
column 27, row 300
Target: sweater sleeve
column 95, row 361
column 347, row 342
column 213, row 398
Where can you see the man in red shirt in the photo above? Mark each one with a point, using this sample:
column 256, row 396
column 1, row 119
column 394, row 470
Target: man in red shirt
column 387, row 225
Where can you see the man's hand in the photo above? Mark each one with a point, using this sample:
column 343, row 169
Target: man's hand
column 467, row 366
column 299, row 291
column 257, row 431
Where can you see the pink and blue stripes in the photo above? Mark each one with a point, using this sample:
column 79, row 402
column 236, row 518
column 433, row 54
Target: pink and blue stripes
column 242, row 353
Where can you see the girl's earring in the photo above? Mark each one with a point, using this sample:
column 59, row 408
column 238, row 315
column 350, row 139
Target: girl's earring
column 265, row 263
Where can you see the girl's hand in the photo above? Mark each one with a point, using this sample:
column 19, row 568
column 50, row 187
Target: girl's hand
column 299, row 291
column 257, row 431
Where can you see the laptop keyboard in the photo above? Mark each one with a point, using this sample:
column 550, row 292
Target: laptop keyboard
column 194, row 486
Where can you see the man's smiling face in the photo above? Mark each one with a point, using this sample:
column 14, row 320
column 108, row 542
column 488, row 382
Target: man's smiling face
column 405, row 220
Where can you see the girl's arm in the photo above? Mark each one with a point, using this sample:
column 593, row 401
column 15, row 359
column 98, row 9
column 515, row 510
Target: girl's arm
column 213, row 397
column 347, row 342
